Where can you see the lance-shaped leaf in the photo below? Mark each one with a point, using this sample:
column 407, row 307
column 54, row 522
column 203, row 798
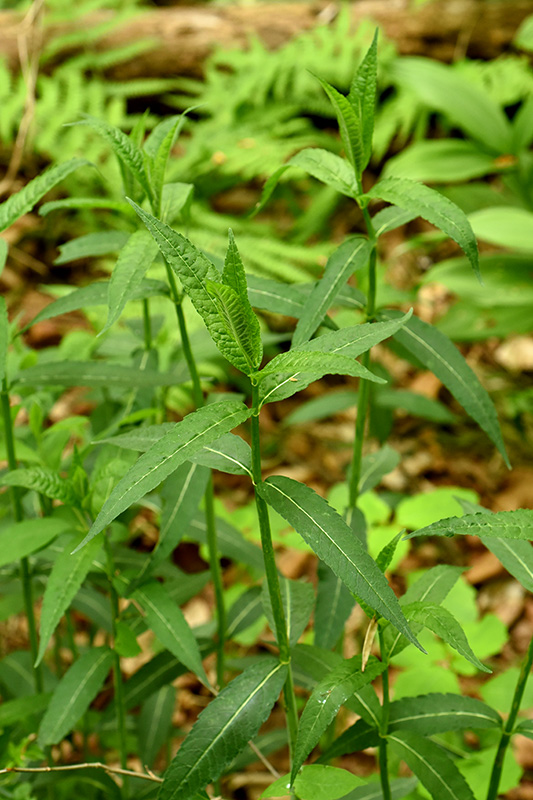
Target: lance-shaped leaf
column 165, row 618
column 501, row 524
column 236, row 319
column 4, row 337
column 134, row 259
column 223, row 729
column 231, row 542
column 91, row 245
column 375, row 466
column 245, row 611
column 354, row 340
column 316, row 782
column 334, row 542
column 298, row 599
column 334, row 602
column 290, row 299
column 23, row 201
column 84, row 202
column 357, row 737
column 351, row 256
column 349, row 125
column 525, row 728
column 230, row 454
column 438, row 354
column 433, row 207
column 436, row 713
column 399, row 788
column 157, row 148
column 327, row 167
column 43, row 480
column 23, row 538
column 92, row 373
column 441, row 622
column 432, row 765
column 74, row 693
column 362, row 96
column 155, row 723
column 12, row 712
column 187, row 437
column 390, row 218
column 68, row 573
column 234, row 276
column 325, row 701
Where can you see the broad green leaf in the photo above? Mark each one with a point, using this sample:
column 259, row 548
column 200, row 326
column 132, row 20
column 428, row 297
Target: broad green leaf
column 133, row 261
column 334, row 603
column 333, row 542
column 13, row 711
column 500, row 524
column 315, row 782
column 351, row 256
column 3, row 254
column 74, row 693
column 310, row 664
column 92, row 245
column 351, row 341
column 238, row 326
column 165, row 618
column 441, row 622
column 441, row 161
column 230, row 454
column 84, row 202
column 504, row 226
column 4, row 338
column 523, row 126
column 442, row 87
column 223, row 729
column 155, row 723
column 125, row 643
column 438, row 354
column 22, row 202
column 375, row 466
column 436, row 713
column 244, row 611
column 176, row 200
column 327, row 167
column 362, row 96
column 298, row 599
column 187, row 437
column 349, row 126
column 67, row 575
column 426, row 507
column 391, row 217
column 525, row 728
column 92, row 373
column 24, row 538
column 432, row 765
column 399, row 788
column 231, row 542
column 43, row 480
column 326, row 699
column 433, row 207
column 357, row 737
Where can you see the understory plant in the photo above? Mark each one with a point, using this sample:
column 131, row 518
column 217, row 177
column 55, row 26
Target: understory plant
column 76, row 502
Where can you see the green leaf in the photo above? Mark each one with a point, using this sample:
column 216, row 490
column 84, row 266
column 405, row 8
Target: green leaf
column 504, row 226
column 133, row 261
column 438, row 354
column 357, row 737
column 399, row 788
column 223, row 729
column 155, row 723
column 362, row 96
column 230, row 454
column 354, row 340
column 298, row 599
column 92, row 245
column 92, row 373
column 23, row 201
column 386, row 554
column 375, row 466
column 517, row 558
column 74, row 693
column 3, row 254
column 4, row 338
column 436, row 713
column 391, row 217
column 84, row 202
column 524, row 728
column 327, row 167
column 290, row 299
column 416, row 404
column 334, row 603
column 24, row 538
column 236, row 321
column 161, row 670
column 431, row 765
column 326, row 699
column 315, row 782
column 231, row 542
column 441, row 622
column 166, row 620
column 334, row 542
column 234, row 276
column 433, row 207
column 321, row 407
column 12, row 712
column 501, row 524
column 67, row 575
column 441, row 161
column 158, row 146
column 43, row 480
column 349, row 126
column 176, row 200
column 351, row 256
column 245, row 611
column 187, row 437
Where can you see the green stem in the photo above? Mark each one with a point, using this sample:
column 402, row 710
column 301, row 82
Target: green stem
column 271, row 572
column 216, row 577
column 383, row 728
column 147, row 323
column 510, row 724
column 18, row 514
column 117, row 674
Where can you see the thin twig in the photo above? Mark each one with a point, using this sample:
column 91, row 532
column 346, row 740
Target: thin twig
column 264, row 760
column 88, row 765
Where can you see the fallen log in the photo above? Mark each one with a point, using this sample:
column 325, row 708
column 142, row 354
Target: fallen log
column 183, row 37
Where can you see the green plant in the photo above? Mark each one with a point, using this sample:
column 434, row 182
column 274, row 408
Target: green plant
column 80, row 500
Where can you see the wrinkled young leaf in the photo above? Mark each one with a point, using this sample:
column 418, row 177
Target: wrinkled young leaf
column 438, row 354
column 349, row 126
column 67, row 575
column 186, row 438
column 432, row 765
column 74, row 693
column 155, row 723
column 45, row 481
column 501, row 524
column 333, row 542
column 436, row 713
column 327, row 167
column 433, row 207
column 92, row 373
column 298, row 599
column 351, row 256
column 223, row 729
column 441, row 622
column 166, row 620
column 23, row 538
column 22, row 202
column 4, row 338
column 334, row 602
column 133, row 261
column 325, row 701
column 362, row 96
column 236, row 318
